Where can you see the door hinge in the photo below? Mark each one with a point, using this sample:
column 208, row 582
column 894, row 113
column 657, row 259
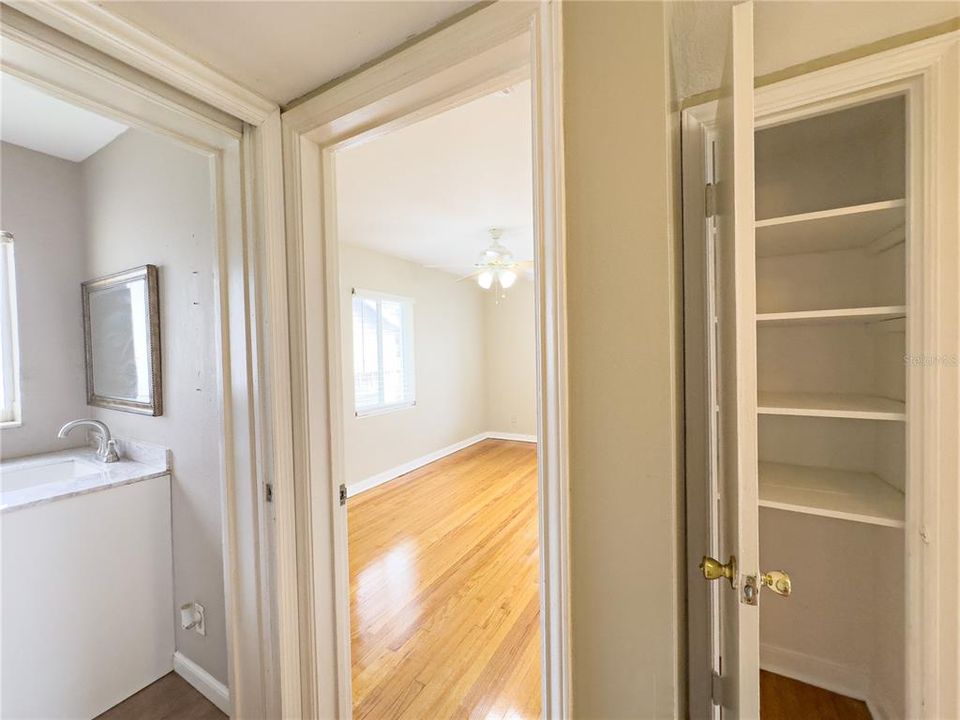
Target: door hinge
column 343, row 495
column 716, row 689
column 268, row 492
column 710, row 200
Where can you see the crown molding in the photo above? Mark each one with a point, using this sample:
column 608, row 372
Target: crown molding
column 120, row 39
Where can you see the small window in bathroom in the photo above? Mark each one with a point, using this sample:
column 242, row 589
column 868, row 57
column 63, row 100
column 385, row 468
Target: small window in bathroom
column 9, row 343
column 383, row 376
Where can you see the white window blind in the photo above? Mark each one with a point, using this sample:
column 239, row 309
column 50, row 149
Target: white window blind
column 383, row 376
column 9, row 342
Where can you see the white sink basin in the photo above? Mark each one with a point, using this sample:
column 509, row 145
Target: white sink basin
column 42, row 473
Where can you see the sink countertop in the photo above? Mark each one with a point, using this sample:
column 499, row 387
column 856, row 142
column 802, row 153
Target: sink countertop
column 143, row 462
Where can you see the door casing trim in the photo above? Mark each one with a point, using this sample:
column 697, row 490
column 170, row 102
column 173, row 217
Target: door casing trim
column 488, row 50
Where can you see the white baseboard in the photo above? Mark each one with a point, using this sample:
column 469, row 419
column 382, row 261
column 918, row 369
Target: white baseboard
column 205, row 683
column 876, row 711
column 511, row 436
column 844, row 679
column 395, row 472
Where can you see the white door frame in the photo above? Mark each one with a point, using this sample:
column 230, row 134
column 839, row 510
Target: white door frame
column 86, row 55
column 490, row 49
column 929, row 73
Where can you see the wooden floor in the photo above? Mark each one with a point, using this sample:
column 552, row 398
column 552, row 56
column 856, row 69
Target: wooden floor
column 783, row 698
column 444, row 589
column 169, row 697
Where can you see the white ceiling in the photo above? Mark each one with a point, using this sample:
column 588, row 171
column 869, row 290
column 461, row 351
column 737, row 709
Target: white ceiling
column 431, row 191
column 32, row 119
column 283, row 50
column 787, row 32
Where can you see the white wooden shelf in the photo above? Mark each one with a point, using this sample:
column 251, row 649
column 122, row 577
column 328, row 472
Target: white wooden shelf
column 863, row 407
column 833, row 316
column 874, row 226
column 857, row 496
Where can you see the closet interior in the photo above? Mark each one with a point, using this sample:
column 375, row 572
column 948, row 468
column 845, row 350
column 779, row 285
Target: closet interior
column 831, row 204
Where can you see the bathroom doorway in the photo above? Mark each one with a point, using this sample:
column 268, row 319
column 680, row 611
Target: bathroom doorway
column 138, row 555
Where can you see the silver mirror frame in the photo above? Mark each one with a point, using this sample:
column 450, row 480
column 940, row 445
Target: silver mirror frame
column 150, row 274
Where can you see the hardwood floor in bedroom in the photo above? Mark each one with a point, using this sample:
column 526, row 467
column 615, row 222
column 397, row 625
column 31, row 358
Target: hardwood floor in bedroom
column 444, row 589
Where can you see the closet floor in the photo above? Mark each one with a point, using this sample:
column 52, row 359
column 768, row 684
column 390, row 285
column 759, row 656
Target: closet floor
column 782, row 698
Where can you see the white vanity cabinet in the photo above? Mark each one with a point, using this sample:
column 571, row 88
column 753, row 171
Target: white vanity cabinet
column 87, row 599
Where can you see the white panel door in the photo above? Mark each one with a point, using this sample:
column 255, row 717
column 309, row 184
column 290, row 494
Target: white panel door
column 736, row 272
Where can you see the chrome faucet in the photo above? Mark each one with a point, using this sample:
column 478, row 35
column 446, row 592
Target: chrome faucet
column 106, row 445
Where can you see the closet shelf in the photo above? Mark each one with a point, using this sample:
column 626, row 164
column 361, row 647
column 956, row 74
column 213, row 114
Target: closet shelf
column 863, row 407
column 874, row 226
column 858, row 496
column 833, row 316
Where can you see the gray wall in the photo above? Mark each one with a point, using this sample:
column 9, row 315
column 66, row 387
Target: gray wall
column 150, row 201
column 42, row 205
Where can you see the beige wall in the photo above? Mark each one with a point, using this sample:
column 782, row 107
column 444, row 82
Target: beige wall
column 623, row 355
column 475, row 363
column 789, row 32
column 42, row 205
column 149, row 200
column 510, row 342
column 448, row 362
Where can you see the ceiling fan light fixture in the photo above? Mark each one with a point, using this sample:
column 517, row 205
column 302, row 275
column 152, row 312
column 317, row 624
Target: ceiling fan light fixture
column 485, row 279
column 507, row 278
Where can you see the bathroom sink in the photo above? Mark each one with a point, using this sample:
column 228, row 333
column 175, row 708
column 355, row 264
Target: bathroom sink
column 40, row 473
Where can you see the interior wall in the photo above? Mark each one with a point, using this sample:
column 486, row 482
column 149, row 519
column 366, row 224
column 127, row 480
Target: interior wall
column 622, row 289
column 842, row 626
column 789, row 33
column 149, row 201
column 448, row 361
column 510, row 374
column 42, row 205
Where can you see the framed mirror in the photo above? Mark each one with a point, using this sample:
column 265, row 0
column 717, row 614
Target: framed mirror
column 121, row 335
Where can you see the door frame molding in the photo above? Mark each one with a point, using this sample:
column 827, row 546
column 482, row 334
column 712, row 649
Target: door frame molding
column 88, row 56
column 490, row 49
column 111, row 34
column 929, row 72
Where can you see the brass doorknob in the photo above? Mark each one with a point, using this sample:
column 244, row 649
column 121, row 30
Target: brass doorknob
column 714, row 569
column 778, row 581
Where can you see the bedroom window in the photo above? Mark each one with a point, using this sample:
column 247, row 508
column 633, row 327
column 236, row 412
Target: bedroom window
column 383, row 376
column 9, row 341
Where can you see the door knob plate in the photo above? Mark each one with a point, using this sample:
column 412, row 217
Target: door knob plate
column 778, row 581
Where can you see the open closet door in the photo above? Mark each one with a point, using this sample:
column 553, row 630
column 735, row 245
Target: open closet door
column 738, row 568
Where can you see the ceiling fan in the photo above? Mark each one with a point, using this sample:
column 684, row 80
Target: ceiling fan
column 496, row 268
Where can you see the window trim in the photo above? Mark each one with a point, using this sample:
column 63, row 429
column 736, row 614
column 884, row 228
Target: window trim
column 409, row 353
column 11, row 416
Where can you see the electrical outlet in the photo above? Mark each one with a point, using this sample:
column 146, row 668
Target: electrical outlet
column 192, row 618
column 514, row 421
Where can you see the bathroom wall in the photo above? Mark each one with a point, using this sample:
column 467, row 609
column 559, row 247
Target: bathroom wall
column 41, row 204
column 148, row 200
